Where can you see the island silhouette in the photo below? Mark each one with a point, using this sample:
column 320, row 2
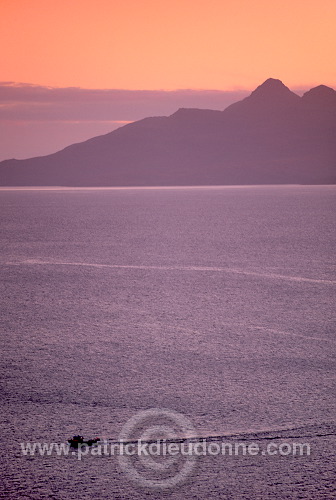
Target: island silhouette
column 272, row 136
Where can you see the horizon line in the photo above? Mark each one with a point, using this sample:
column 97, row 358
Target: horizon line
column 119, row 188
column 232, row 88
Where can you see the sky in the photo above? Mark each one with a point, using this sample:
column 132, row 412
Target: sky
column 72, row 69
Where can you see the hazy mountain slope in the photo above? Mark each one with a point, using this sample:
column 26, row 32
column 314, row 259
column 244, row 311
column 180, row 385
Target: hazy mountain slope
column 272, row 136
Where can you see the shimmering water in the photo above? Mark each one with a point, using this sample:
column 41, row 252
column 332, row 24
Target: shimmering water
column 214, row 303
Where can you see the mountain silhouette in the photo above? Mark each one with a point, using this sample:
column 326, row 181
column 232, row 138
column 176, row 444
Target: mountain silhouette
column 271, row 137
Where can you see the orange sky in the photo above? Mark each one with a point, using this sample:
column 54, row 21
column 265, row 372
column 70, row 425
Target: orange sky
column 168, row 44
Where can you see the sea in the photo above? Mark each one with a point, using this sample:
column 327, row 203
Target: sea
column 195, row 315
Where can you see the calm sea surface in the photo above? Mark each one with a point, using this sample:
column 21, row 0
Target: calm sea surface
column 218, row 304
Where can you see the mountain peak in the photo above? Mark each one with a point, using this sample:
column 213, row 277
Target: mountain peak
column 273, row 88
column 320, row 95
column 272, row 83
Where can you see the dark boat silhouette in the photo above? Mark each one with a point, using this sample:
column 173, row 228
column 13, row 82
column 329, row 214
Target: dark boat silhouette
column 77, row 441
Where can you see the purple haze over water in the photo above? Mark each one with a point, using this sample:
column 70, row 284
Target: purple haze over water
column 215, row 303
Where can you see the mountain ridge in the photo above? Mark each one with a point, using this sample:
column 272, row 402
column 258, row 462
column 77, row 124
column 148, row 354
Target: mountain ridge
column 272, row 136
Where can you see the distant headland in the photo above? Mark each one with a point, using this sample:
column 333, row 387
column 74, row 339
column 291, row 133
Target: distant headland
column 272, row 136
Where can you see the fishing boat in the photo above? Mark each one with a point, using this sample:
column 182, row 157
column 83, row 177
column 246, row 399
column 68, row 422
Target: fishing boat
column 77, row 441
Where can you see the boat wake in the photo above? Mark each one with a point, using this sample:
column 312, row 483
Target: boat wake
column 202, row 269
column 302, row 432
